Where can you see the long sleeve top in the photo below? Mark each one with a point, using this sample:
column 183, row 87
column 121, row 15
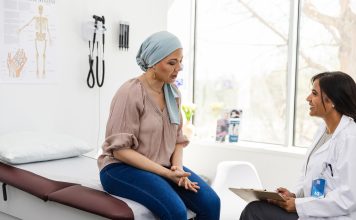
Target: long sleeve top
column 137, row 122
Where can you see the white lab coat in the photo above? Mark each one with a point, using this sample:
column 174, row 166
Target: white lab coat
column 340, row 200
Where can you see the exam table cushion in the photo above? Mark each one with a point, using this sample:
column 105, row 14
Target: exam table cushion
column 70, row 194
column 84, row 171
column 27, row 147
column 92, row 201
column 29, row 182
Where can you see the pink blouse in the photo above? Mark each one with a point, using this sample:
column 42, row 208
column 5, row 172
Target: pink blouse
column 136, row 122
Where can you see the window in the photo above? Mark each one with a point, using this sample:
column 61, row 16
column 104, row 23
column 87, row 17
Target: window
column 259, row 56
column 241, row 62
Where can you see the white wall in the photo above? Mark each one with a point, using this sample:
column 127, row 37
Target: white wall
column 70, row 106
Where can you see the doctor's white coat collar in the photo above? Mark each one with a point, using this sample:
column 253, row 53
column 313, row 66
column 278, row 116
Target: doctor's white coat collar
column 344, row 121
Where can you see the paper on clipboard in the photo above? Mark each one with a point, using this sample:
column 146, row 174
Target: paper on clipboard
column 250, row 195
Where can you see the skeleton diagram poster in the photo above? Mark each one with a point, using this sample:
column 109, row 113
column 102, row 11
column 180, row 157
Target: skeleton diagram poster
column 27, row 40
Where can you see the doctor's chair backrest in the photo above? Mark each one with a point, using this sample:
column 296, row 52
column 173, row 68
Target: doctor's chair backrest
column 237, row 174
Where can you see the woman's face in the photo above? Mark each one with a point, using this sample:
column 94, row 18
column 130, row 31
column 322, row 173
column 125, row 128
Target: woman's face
column 316, row 107
column 167, row 69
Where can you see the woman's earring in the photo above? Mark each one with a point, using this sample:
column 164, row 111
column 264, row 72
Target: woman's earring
column 333, row 105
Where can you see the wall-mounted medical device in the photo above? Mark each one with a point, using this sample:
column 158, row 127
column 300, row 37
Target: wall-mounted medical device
column 94, row 33
column 124, row 33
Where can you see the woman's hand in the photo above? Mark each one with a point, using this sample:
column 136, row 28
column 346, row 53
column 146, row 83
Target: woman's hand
column 175, row 175
column 184, row 180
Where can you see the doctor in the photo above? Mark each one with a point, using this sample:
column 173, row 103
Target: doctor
column 327, row 186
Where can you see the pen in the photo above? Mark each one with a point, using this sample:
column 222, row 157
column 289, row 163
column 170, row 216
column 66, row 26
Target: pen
column 331, row 169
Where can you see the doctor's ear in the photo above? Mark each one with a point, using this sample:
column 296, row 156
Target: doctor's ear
column 327, row 100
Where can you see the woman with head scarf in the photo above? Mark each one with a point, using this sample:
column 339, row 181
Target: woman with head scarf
column 143, row 149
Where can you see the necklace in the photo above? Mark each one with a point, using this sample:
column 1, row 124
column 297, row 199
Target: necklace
column 151, row 87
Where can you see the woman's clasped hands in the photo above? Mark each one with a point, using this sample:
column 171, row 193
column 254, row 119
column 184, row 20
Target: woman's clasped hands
column 179, row 176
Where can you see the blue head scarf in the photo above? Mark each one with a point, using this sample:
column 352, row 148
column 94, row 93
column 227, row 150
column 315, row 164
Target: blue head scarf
column 154, row 49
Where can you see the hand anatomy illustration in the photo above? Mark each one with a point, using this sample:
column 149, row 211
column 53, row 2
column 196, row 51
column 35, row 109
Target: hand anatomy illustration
column 15, row 63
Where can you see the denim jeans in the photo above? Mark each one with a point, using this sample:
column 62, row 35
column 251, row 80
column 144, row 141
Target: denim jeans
column 161, row 196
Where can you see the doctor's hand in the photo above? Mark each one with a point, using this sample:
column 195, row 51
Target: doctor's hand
column 288, row 204
column 285, row 192
column 185, row 181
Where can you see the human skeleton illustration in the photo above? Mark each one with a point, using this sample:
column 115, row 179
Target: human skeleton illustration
column 41, row 36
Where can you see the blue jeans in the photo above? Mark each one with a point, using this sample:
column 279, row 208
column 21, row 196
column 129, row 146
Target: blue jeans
column 161, row 196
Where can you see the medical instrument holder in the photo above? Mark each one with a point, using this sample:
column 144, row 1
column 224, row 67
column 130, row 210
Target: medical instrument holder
column 124, row 35
column 98, row 27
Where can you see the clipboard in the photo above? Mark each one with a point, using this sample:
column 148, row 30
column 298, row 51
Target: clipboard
column 250, row 195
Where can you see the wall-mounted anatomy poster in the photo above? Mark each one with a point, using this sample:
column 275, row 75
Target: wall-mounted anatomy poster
column 27, row 39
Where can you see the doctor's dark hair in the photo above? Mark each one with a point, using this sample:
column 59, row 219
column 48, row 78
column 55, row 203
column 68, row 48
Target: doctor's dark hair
column 340, row 88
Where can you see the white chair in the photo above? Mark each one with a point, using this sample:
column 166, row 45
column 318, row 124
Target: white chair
column 237, row 174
